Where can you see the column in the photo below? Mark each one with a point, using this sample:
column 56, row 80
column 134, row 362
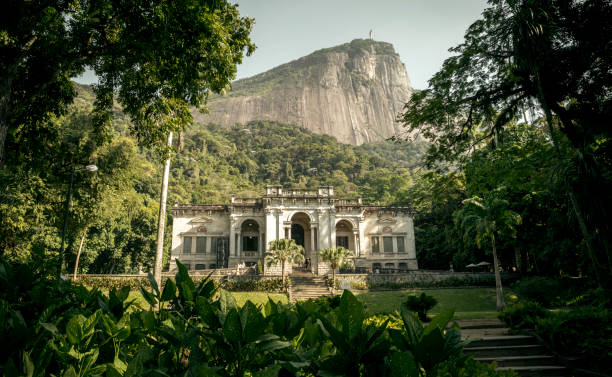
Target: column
column 312, row 239
column 332, row 228
column 277, row 215
column 356, row 242
column 270, row 226
column 232, row 237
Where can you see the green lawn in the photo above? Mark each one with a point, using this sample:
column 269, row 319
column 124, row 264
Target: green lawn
column 258, row 298
column 468, row 303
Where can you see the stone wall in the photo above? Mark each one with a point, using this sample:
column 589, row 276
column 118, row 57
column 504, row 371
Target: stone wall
column 276, row 270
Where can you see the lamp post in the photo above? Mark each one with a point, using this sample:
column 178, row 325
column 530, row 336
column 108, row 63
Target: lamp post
column 89, row 168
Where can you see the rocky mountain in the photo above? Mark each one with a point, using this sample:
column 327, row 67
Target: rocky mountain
column 352, row 92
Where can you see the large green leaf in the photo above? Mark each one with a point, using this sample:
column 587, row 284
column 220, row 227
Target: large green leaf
column 252, row 322
column 227, row 302
column 231, row 327
column 429, row 351
column 440, row 321
column 412, row 325
column 403, row 365
column 74, row 329
column 270, row 371
column 351, row 315
column 169, row 291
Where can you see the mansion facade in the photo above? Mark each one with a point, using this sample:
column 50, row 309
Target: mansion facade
column 223, row 236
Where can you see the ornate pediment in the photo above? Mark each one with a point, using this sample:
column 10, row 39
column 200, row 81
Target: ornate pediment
column 201, row 220
column 387, row 220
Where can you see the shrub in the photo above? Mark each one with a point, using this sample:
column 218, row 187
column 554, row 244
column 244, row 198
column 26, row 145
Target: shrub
column 466, row 366
column 392, row 319
column 543, row 290
column 421, row 305
column 331, row 301
column 523, row 315
column 585, row 333
column 469, row 281
column 263, row 285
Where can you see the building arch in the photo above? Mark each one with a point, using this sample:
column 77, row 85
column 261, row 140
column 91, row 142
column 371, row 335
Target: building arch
column 249, row 241
column 241, row 221
column 292, row 214
column 350, row 222
column 346, row 235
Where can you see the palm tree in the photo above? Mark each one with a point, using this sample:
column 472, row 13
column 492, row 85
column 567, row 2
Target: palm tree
column 283, row 251
column 336, row 257
column 486, row 218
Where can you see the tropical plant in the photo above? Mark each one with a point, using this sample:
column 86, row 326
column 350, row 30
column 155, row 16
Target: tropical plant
column 282, row 251
column 337, row 257
column 487, row 219
column 421, row 305
column 425, row 347
column 532, row 56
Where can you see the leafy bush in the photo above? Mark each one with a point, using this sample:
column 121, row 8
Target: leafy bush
column 52, row 327
column 392, row 320
column 420, row 304
column 470, row 281
column 466, row 366
column 523, row 315
column 265, row 285
column 543, row 290
column 585, row 333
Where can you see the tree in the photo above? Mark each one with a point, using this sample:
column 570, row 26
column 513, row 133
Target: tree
column 282, row 251
column 488, row 218
column 336, row 257
column 548, row 58
column 156, row 58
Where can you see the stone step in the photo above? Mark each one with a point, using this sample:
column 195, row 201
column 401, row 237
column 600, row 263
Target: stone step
column 501, row 351
column 473, row 334
column 487, row 323
column 542, row 370
column 500, row 341
column 519, row 361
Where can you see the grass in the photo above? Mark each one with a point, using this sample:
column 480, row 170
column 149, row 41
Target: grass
column 468, row 303
column 257, row 298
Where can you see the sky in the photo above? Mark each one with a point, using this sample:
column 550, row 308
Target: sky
column 421, row 31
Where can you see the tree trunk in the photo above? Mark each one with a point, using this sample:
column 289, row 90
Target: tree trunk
column 333, row 279
column 500, row 304
column 161, row 222
column 283, row 273
column 76, row 263
column 6, row 87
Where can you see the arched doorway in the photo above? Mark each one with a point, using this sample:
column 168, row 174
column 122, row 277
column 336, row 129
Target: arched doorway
column 249, row 237
column 301, row 232
column 297, row 234
column 344, row 235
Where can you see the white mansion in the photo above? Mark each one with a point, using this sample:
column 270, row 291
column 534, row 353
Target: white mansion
column 221, row 236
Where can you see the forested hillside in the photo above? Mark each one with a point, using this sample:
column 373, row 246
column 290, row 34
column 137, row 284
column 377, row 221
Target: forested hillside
column 114, row 210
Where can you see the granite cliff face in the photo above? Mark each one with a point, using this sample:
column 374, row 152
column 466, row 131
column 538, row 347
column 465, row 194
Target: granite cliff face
column 352, row 92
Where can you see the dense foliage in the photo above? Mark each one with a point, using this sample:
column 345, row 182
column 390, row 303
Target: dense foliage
column 539, row 63
column 114, row 210
column 52, row 327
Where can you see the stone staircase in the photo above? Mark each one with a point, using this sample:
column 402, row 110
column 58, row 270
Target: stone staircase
column 490, row 341
column 305, row 285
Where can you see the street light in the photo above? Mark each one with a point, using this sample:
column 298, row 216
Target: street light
column 88, row 168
